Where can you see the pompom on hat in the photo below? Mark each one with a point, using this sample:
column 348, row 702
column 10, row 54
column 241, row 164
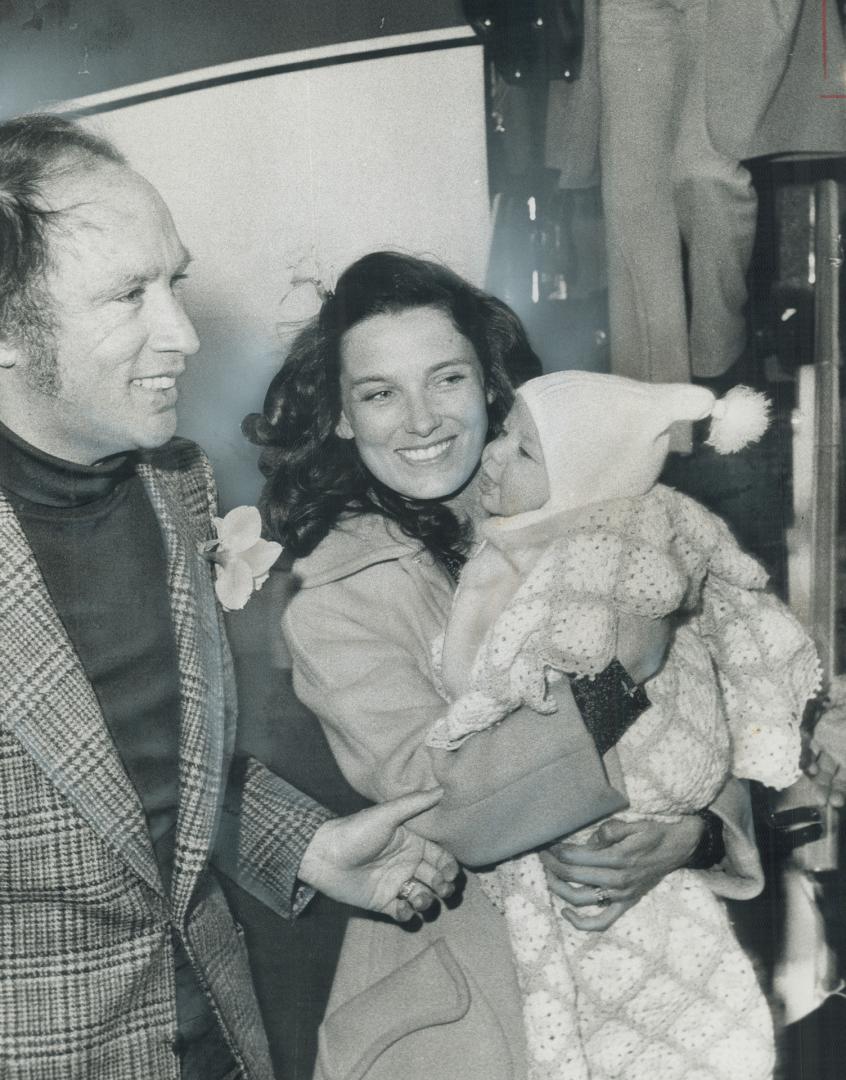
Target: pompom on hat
column 607, row 437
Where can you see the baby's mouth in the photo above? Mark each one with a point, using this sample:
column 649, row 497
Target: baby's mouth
column 486, row 483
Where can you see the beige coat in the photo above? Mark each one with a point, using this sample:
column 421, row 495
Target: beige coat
column 441, row 1001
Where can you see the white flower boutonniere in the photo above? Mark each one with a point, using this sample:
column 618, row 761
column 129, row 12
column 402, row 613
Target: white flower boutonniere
column 242, row 559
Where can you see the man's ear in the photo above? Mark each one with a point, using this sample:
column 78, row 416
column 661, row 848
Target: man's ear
column 489, row 396
column 343, row 429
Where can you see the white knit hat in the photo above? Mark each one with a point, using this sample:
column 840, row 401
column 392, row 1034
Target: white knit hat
column 607, row 437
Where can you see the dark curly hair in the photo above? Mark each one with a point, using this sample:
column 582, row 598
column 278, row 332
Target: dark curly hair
column 314, row 477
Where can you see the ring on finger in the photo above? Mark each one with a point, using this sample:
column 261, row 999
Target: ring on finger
column 601, row 897
column 408, row 889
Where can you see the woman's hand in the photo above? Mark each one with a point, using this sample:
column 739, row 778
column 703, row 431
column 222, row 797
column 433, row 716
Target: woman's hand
column 625, row 859
column 830, row 778
column 827, row 750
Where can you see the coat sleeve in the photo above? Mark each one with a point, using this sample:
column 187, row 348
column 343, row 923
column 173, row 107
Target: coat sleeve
column 739, row 876
column 266, row 825
column 359, row 668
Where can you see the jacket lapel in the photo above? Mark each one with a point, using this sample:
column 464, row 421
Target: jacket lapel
column 201, row 679
column 48, row 703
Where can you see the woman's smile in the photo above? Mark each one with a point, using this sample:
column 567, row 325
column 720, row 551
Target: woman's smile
column 424, row 455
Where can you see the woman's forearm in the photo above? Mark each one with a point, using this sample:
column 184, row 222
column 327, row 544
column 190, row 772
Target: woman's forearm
column 523, row 783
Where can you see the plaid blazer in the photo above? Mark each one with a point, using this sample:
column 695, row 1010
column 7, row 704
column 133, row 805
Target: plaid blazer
column 86, row 968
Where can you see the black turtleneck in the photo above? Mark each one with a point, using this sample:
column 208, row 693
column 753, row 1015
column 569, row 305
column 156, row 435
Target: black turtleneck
column 99, row 548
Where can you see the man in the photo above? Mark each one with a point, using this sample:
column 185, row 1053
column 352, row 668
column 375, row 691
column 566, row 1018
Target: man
column 670, row 97
column 690, row 89
column 118, row 954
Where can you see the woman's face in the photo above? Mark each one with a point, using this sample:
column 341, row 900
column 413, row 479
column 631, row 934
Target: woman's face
column 513, row 479
column 413, row 398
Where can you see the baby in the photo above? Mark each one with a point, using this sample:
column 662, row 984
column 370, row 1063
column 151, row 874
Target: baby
column 582, row 546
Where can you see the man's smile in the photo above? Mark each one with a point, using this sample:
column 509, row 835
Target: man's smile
column 156, row 382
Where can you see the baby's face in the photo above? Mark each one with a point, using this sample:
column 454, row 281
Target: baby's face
column 513, row 476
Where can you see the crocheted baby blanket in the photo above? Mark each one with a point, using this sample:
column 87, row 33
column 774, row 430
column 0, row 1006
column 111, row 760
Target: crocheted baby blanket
column 666, row 993
column 649, row 556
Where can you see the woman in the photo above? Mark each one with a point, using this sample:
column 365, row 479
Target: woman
column 373, row 431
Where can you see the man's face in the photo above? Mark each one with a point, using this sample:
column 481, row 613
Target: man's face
column 119, row 333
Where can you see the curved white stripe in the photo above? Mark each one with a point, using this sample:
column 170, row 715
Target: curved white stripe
column 185, row 80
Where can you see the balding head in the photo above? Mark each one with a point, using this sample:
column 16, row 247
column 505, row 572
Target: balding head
column 35, row 152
